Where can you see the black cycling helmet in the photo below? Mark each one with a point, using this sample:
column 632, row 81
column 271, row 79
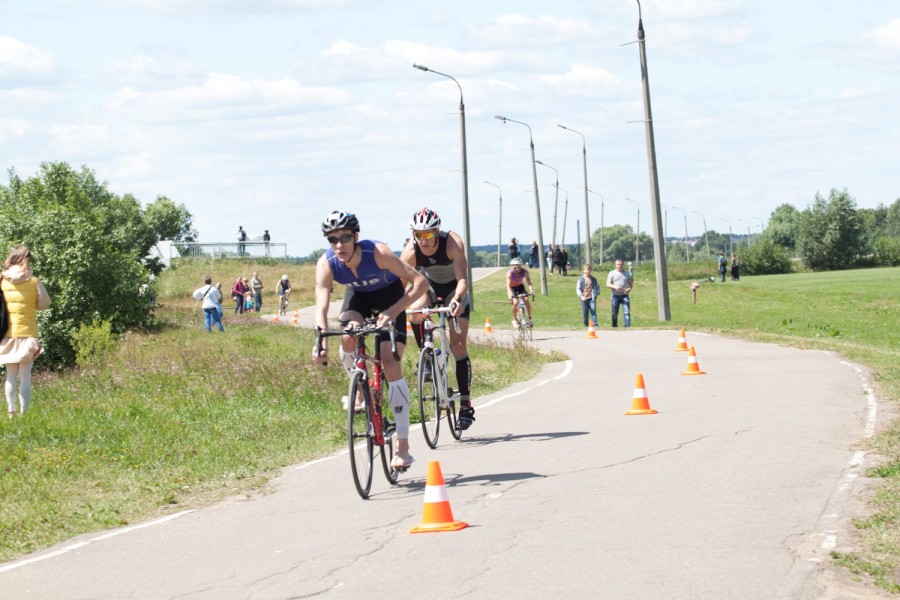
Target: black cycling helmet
column 340, row 220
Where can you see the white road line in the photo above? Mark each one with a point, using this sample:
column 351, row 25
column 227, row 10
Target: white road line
column 105, row 536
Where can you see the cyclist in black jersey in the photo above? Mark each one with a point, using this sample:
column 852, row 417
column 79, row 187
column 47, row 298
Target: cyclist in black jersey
column 441, row 257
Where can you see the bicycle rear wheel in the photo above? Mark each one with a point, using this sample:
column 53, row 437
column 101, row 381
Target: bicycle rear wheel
column 359, row 436
column 388, row 428
column 429, row 399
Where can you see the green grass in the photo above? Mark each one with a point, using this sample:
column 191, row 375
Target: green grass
column 181, row 418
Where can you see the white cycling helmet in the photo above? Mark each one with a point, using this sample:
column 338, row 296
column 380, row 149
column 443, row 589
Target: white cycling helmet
column 515, row 262
column 425, row 219
column 284, row 277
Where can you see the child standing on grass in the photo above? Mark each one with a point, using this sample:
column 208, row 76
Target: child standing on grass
column 20, row 345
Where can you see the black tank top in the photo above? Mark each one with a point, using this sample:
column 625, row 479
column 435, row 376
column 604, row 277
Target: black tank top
column 438, row 267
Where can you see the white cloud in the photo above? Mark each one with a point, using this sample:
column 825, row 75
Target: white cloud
column 887, row 37
column 520, row 31
column 20, row 60
column 583, row 80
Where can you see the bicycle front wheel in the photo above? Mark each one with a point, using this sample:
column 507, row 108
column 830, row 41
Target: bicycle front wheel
column 429, row 397
column 388, row 428
column 359, row 436
column 451, row 420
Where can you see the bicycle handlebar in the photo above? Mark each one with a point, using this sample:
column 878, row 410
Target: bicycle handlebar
column 427, row 311
column 359, row 331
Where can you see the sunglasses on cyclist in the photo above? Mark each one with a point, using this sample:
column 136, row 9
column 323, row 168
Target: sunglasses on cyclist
column 343, row 239
column 425, row 235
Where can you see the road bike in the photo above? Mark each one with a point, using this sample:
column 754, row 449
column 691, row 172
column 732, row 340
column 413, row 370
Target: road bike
column 523, row 319
column 283, row 303
column 368, row 424
column 436, row 398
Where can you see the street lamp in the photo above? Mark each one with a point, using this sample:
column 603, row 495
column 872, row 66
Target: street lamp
column 465, row 182
column 687, row 248
column 555, row 200
column 730, row 243
column 705, row 233
column 499, row 221
column 637, row 234
column 537, row 206
column 587, row 210
column 761, row 226
column 562, row 238
column 601, row 225
column 749, row 237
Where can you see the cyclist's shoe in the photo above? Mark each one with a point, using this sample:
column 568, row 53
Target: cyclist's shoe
column 515, row 323
column 530, row 323
column 466, row 417
column 358, row 407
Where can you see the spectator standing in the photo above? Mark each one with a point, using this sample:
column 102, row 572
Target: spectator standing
column 534, row 256
column 735, row 268
column 513, row 249
column 587, row 289
column 549, row 257
column 557, row 260
column 257, row 285
column 242, row 238
column 237, row 292
column 210, row 303
column 266, row 238
column 564, row 261
column 722, row 265
column 20, row 345
column 620, row 282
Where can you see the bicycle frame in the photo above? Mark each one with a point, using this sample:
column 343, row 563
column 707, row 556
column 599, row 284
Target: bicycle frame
column 523, row 317
column 436, row 354
column 370, row 427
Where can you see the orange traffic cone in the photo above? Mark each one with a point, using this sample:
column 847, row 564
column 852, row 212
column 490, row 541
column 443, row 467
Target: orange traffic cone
column 682, row 343
column 409, row 328
column 277, row 319
column 487, row 326
column 693, row 367
column 436, row 514
column 591, row 333
column 640, row 404
column 295, row 320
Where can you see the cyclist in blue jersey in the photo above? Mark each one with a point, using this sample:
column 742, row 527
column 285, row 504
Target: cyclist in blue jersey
column 373, row 277
column 441, row 257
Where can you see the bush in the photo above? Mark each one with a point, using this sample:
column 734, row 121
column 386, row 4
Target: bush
column 887, row 251
column 93, row 342
column 765, row 258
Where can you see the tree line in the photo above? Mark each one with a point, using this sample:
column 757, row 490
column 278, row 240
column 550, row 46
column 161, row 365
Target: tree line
column 830, row 234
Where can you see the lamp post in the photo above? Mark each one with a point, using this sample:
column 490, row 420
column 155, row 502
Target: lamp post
column 587, row 210
column 687, row 248
column 705, row 233
column 499, row 221
column 730, row 243
column 562, row 238
column 601, row 225
column 555, row 201
column 465, row 182
column 537, row 206
column 761, row 226
column 749, row 237
column 662, row 277
column 637, row 234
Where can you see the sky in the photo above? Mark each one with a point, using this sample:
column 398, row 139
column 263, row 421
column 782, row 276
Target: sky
column 269, row 114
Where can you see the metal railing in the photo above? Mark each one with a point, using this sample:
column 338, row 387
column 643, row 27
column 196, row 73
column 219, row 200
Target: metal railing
column 231, row 250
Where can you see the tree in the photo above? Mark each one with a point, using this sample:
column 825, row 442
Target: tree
column 784, row 223
column 831, row 234
column 618, row 242
column 170, row 221
column 765, row 258
column 88, row 246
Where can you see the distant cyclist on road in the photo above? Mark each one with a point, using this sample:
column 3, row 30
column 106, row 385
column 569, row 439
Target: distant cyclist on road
column 373, row 275
column 441, row 257
column 516, row 278
column 283, row 290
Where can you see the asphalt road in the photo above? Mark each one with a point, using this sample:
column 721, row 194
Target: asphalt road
column 739, row 487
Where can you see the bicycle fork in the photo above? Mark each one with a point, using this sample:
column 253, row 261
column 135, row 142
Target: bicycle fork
column 440, row 383
column 374, row 405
